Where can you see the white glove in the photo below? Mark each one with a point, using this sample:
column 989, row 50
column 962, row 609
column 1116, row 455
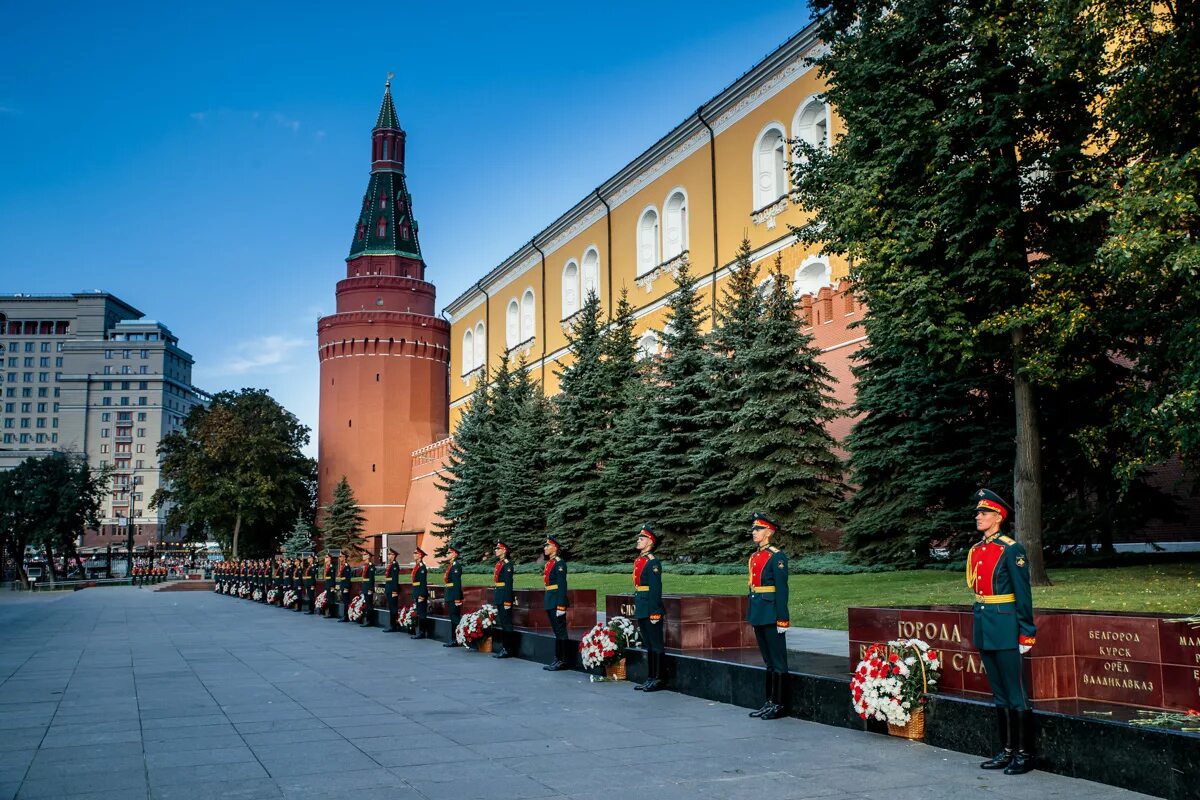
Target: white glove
column 780, row 630
column 1025, row 648
column 655, row 621
column 562, row 613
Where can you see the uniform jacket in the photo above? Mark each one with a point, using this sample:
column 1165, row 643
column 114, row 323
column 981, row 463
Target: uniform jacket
column 768, row 588
column 998, row 575
column 555, row 579
column 453, row 582
column 345, row 579
column 309, row 579
column 502, row 584
column 420, row 582
column 647, row 588
column 391, row 577
column 368, row 578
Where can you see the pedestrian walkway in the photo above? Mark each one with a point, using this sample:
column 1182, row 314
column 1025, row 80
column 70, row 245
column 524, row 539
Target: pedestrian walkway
column 126, row 693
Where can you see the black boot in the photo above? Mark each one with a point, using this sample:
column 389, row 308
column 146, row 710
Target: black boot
column 655, row 684
column 559, row 662
column 777, row 709
column 649, row 672
column 768, row 683
column 1005, row 727
column 1022, row 760
column 505, row 646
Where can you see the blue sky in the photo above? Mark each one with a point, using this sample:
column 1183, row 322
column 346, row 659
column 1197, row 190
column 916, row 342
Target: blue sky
column 205, row 161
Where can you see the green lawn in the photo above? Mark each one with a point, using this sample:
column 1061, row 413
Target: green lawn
column 820, row 601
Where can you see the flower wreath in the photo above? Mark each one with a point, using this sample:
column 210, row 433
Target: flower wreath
column 357, row 606
column 891, row 682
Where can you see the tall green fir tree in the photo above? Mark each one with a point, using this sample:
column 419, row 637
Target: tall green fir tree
column 680, row 389
column 343, row 523
column 574, row 449
column 520, row 415
column 782, row 455
column 299, row 540
column 469, row 507
column 737, row 323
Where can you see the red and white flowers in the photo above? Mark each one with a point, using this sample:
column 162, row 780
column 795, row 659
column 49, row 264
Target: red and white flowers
column 217, row 587
column 272, row 596
column 357, row 606
column 257, row 595
column 244, row 590
column 406, row 618
column 289, row 598
column 892, row 681
column 321, row 601
column 606, row 644
column 475, row 626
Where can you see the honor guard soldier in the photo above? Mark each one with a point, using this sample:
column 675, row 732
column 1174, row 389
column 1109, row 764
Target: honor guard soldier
column 310, row 584
column 998, row 574
column 298, row 584
column 391, row 588
column 452, row 581
column 327, row 584
column 502, row 599
column 554, row 577
column 648, row 608
column 768, row 613
column 420, row 592
column 345, row 587
column 368, row 592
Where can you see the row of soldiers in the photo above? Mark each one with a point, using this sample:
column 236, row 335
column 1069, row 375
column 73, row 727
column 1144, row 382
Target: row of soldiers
column 144, row 576
column 996, row 572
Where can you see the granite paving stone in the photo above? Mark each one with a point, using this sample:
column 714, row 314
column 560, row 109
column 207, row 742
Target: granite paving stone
column 118, row 692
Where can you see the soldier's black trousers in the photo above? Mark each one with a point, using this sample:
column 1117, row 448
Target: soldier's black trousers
column 368, row 607
column 1004, row 676
column 557, row 623
column 456, row 615
column 504, row 617
column 346, row 598
column 772, row 647
column 312, row 599
column 421, row 604
column 393, row 603
column 652, row 634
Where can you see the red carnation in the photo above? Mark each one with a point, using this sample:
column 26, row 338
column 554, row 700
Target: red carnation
column 931, row 655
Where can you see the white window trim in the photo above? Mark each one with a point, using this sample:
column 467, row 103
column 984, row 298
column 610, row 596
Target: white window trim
column 479, row 357
column 576, row 284
column 657, row 257
column 808, row 262
column 800, row 109
column 685, row 243
column 512, row 334
column 760, row 202
column 530, row 335
column 591, row 248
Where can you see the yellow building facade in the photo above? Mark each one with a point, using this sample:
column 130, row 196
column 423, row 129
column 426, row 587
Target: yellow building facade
column 720, row 176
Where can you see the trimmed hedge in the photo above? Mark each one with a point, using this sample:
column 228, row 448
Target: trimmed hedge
column 832, row 563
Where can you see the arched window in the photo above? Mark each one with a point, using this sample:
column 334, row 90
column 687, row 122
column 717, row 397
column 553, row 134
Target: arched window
column 468, row 356
column 383, row 201
column 527, row 330
column 811, row 124
column 811, row 276
column 512, row 325
column 480, row 346
column 590, row 277
column 386, row 151
column 381, row 227
column 647, row 345
column 770, row 180
column 647, row 241
column 675, row 225
column 570, row 289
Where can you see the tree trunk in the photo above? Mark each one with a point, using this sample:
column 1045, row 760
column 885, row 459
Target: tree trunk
column 1027, row 472
column 237, row 527
column 79, row 563
column 50, row 562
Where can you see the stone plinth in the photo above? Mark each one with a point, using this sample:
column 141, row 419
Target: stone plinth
column 696, row 621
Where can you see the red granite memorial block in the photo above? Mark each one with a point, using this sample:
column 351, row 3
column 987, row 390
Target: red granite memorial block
column 528, row 611
column 696, row 621
column 473, row 598
column 1129, row 659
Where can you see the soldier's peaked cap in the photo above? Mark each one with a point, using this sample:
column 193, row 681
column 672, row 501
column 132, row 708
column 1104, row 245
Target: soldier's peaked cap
column 552, row 539
column 761, row 521
column 419, row 551
column 987, row 500
column 648, row 533
column 501, row 544
column 452, row 548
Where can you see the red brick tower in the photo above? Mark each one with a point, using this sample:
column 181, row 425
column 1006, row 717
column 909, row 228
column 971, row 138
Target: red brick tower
column 384, row 354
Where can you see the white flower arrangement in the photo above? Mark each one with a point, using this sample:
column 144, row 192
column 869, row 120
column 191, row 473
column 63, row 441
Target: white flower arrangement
column 357, row 608
column 891, row 682
column 289, row 598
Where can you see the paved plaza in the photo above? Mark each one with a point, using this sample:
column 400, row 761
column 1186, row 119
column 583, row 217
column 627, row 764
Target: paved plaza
column 128, row 693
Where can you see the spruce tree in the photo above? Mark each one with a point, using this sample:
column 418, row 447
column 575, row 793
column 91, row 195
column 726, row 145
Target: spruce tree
column 680, row 391
column 343, row 521
column 299, row 540
column 521, row 419
column 575, row 445
column 464, row 483
column 780, row 449
column 738, row 320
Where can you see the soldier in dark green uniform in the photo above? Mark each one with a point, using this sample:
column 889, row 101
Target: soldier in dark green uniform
column 502, row 599
column 648, row 608
column 768, row 613
column 327, row 584
column 391, row 588
column 555, row 603
column 345, row 587
column 998, row 574
column 452, row 581
column 368, row 592
column 420, row 592
column 310, row 584
column 298, row 584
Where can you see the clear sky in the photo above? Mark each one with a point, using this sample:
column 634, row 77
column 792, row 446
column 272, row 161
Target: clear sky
column 205, row 161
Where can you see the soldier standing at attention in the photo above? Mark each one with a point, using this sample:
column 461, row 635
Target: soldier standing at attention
column 420, row 592
column 768, row 613
column 648, row 608
column 368, row 591
column 554, row 577
column 391, row 588
column 310, row 584
column 454, row 593
column 345, row 586
column 502, row 599
column 298, row 584
column 1004, row 631
column 327, row 583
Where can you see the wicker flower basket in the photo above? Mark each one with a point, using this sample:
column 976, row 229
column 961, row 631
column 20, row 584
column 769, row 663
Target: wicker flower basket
column 615, row 671
column 485, row 645
column 913, row 729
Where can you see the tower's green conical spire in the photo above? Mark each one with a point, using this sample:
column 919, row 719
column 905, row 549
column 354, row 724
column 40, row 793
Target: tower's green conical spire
column 387, row 111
